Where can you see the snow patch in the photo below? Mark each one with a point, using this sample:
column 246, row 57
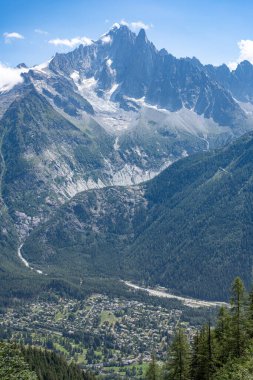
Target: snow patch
column 111, row 70
column 116, row 144
column 107, row 113
column 106, row 39
column 138, row 151
column 109, row 93
column 75, row 76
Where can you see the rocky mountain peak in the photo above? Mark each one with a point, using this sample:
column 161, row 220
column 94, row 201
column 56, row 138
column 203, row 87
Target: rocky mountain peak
column 22, row 66
column 121, row 32
column 142, row 35
column 244, row 68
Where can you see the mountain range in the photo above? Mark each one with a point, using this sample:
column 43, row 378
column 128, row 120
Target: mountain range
column 83, row 132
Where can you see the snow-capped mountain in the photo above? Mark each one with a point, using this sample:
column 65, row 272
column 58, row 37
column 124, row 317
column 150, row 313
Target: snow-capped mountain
column 125, row 67
column 115, row 111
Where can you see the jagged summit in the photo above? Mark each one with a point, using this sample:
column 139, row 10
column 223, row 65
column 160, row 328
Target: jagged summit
column 142, row 35
column 119, row 30
column 163, row 52
column 141, row 71
column 123, row 32
column 244, row 70
column 120, row 27
column 22, row 66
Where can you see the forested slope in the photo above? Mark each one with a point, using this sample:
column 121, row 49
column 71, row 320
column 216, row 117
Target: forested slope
column 27, row 363
column 189, row 229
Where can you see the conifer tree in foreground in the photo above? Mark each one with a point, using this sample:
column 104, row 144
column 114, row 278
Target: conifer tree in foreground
column 204, row 354
column 178, row 366
column 249, row 315
column 152, row 372
column 222, row 335
column 13, row 365
column 223, row 352
column 238, row 325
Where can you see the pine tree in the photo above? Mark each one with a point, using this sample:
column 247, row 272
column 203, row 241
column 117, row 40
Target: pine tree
column 222, row 334
column 249, row 315
column 195, row 358
column 204, row 359
column 152, row 371
column 238, row 336
column 220, row 353
column 212, row 352
column 13, row 365
column 178, row 365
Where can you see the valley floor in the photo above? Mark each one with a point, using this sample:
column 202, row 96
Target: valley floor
column 164, row 293
column 101, row 334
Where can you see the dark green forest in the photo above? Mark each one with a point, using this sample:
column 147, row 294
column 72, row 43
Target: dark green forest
column 29, row 363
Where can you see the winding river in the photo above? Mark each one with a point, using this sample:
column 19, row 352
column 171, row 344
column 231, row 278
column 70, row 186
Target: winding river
column 25, row 262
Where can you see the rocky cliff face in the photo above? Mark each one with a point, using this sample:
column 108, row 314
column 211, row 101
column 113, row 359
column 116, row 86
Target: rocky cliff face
column 238, row 82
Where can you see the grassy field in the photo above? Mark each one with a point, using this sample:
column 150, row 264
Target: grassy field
column 107, row 316
column 124, row 370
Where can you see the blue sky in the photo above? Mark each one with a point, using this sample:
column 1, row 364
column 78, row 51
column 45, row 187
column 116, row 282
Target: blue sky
column 209, row 30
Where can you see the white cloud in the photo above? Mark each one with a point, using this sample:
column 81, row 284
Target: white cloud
column 8, row 37
column 10, row 76
column 136, row 25
column 246, row 53
column 140, row 25
column 41, row 31
column 71, row 42
column 124, row 22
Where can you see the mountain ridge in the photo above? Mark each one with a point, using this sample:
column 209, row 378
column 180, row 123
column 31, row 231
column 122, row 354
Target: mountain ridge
column 141, row 77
